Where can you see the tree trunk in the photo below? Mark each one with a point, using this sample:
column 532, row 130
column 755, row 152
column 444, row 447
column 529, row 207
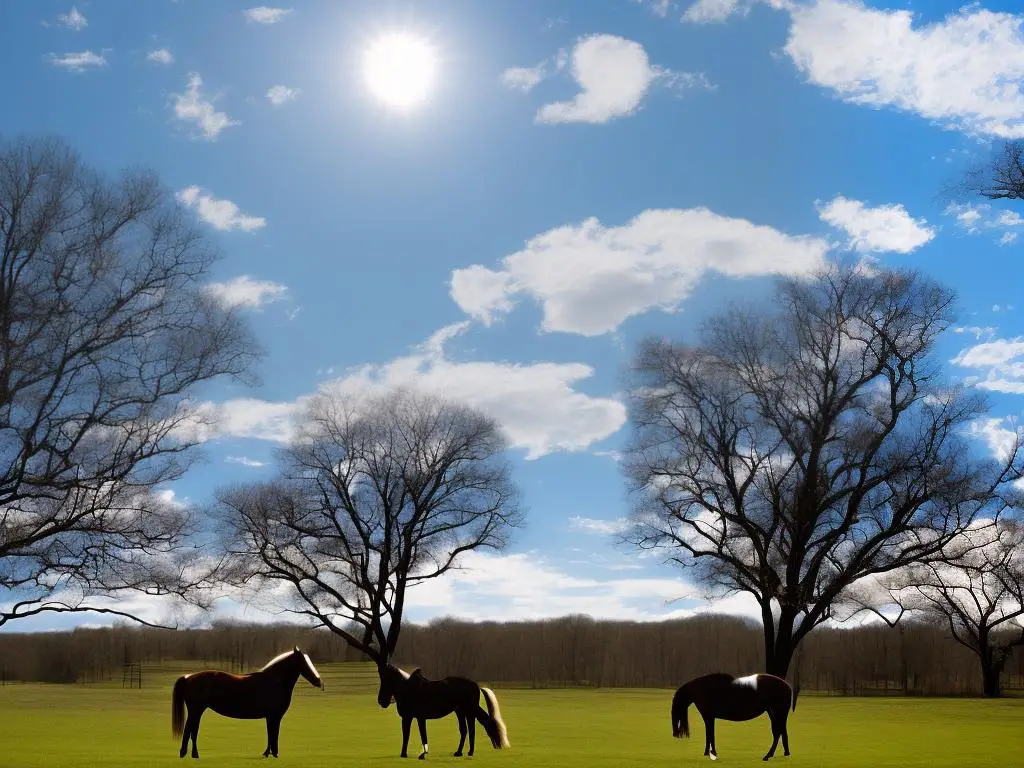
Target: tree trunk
column 779, row 653
column 991, row 671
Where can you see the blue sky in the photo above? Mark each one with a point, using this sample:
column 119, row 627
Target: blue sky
column 580, row 174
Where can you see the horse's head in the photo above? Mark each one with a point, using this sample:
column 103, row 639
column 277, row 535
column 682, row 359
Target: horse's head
column 307, row 670
column 391, row 679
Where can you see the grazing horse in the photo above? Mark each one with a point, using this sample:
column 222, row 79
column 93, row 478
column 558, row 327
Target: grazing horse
column 419, row 698
column 263, row 694
column 723, row 696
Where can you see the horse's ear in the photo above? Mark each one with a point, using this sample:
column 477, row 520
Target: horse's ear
column 297, row 649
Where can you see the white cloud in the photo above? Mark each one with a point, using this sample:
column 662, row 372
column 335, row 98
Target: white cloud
column 717, row 11
column 597, row 525
column 964, row 72
column 589, row 278
column 245, row 461
column 977, row 331
column 995, row 434
column 221, row 214
column 873, row 230
column 243, row 291
column 265, row 15
column 73, row 20
column 282, row 94
column 976, row 218
column 1000, row 363
column 192, row 107
column 78, row 62
column 659, row 8
column 523, row 78
column 614, row 74
column 524, row 586
column 161, row 56
column 535, row 404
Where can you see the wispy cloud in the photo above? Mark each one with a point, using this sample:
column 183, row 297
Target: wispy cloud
column 282, row 94
column 73, row 20
column 243, row 291
column 78, row 62
column 523, row 78
column 265, row 15
column 160, row 56
column 599, row 526
column 976, row 218
column 219, row 213
column 193, row 107
column 245, row 461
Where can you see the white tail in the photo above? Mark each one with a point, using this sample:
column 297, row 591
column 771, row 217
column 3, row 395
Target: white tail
column 495, row 712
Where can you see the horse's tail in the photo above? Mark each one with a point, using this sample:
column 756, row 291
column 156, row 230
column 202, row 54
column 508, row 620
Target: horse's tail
column 680, row 722
column 796, row 692
column 494, row 725
column 178, row 707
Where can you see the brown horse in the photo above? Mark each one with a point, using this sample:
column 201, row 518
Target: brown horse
column 723, row 696
column 419, row 698
column 265, row 694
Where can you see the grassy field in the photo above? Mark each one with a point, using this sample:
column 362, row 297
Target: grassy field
column 103, row 725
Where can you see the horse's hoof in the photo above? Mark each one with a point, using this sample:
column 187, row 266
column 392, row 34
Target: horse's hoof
column 423, row 756
column 456, row 754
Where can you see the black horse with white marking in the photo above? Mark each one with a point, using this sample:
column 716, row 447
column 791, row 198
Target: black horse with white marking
column 725, row 697
column 418, row 698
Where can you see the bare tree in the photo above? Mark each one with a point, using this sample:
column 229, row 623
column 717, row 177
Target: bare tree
column 799, row 449
column 999, row 178
column 106, row 332
column 376, row 495
column 978, row 595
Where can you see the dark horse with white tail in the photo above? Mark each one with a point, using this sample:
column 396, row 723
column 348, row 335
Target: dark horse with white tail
column 418, row 698
column 725, row 697
column 265, row 694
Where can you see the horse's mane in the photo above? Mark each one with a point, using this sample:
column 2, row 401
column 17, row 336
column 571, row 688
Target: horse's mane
column 276, row 660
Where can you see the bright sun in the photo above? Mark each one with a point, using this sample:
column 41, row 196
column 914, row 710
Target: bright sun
column 400, row 69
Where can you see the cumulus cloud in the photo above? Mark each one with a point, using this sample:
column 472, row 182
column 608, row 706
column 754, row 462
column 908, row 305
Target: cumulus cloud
column 243, row 291
column 73, row 20
column 282, row 94
column 614, row 74
column 193, row 107
column 536, row 404
column 220, row 214
column 265, row 15
column 873, row 230
column 160, row 56
column 999, row 364
column 964, row 72
column 78, row 62
column 589, row 277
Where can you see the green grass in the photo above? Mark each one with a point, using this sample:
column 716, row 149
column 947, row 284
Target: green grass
column 103, row 725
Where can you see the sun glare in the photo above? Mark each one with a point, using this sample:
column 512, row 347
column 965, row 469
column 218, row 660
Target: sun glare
column 400, row 69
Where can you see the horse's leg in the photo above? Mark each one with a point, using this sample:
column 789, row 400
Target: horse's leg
column 273, row 732
column 406, row 725
column 186, row 733
column 776, row 732
column 195, row 731
column 709, row 736
column 471, row 722
column 423, row 736
column 462, row 732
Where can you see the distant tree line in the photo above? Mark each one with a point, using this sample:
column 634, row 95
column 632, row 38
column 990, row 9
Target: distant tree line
column 911, row 659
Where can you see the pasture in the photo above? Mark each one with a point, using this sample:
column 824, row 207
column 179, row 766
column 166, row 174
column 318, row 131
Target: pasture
column 105, row 725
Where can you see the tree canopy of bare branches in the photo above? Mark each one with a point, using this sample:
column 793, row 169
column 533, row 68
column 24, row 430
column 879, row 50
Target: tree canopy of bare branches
column 801, row 448
column 106, row 331
column 377, row 493
column 1002, row 177
column 978, row 594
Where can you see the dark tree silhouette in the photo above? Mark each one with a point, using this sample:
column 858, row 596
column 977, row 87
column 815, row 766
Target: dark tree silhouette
column 106, row 334
column 804, row 446
column 1001, row 177
column 375, row 495
column 978, row 595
